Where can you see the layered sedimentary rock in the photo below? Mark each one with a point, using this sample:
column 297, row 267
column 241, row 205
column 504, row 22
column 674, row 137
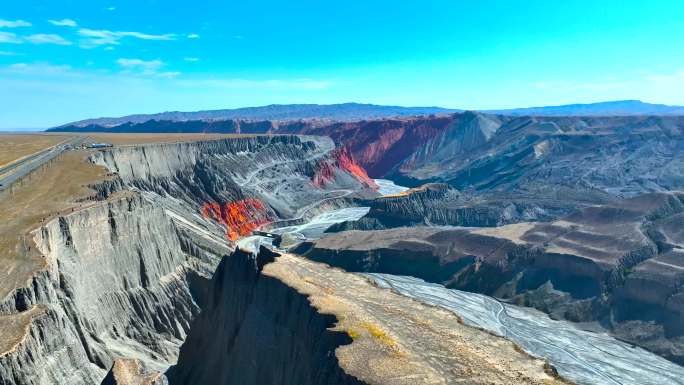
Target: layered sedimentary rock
column 123, row 278
column 440, row 204
column 602, row 156
column 619, row 264
column 278, row 170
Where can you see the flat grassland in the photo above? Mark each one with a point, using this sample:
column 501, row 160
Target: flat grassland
column 53, row 189
column 16, row 146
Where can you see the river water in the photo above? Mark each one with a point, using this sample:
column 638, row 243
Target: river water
column 313, row 229
column 316, row 227
column 387, row 187
column 581, row 356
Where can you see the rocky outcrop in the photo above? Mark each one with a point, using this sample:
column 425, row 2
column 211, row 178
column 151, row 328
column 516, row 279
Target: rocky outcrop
column 278, row 170
column 257, row 330
column 130, row 372
column 533, row 155
column 441, row 204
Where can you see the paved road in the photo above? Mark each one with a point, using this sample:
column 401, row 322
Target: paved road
column 17, row 170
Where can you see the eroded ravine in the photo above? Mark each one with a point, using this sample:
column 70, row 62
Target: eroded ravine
column 131, row 281
column 125, row 277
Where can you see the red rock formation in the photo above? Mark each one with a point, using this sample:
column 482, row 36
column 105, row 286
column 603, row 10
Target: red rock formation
column 240, row 217
column 381, row 145
column 324, row 175
column 343, row 160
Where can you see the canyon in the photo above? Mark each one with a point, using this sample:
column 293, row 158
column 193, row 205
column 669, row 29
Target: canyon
column 144, row 254
column 282, row 257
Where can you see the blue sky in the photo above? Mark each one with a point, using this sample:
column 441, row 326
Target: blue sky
column 73, row 59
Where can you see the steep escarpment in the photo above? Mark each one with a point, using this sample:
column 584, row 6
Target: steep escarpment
column 281, row 319
column 598, row 264
column 116, row 283
column 257, row 330
column 379, row 145
column 124, row 277
column 280, row 171
column 161, row 125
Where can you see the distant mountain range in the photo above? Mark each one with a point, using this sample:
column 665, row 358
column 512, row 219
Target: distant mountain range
column 334, row 112
column 615, row 108
column 356, row 111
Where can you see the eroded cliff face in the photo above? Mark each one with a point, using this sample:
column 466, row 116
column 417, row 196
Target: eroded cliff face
column 124, row 277
column 439, row 204
column 257, row 330
column 280, row 171
column 116, row 283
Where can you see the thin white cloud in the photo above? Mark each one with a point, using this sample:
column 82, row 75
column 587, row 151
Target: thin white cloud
column 239, row 37
column 609, row 83
column 43, row 38
column 112, row 8
column 145, row 67
column 653, row 84
column 193, row 36
column 144, row 36
column 9, row 37
column 168, row 74
column 140, row 70
column 139, row 63
column 14, row 23
column 39, row 68
column 8, row 53
column 98, row 37
column 191, row 59
column 63, row 23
